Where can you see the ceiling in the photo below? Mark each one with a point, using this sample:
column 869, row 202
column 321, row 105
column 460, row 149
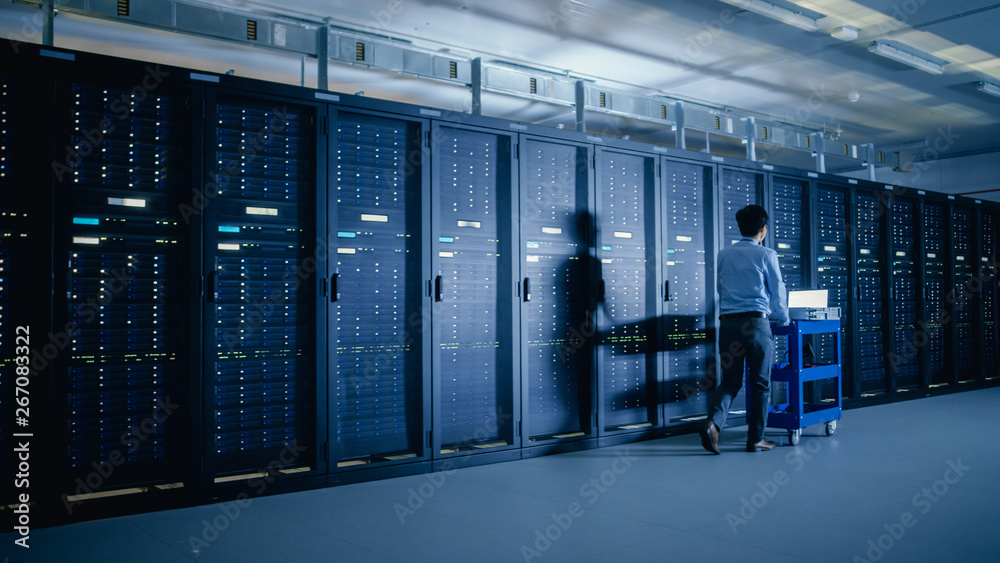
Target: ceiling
column 698, row 50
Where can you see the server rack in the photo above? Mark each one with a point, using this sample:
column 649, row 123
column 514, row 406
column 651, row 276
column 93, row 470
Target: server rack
column 739, row 188
column 629, row 299
column 378, row 347
column 989, row 348
column 936, row 257
column 964, row 289
column 262, row 298
column 871, row 210
column 476, row 382
column 834, row 247
column 11, row 229
column 790, row 209
column 25, row 281
column 788, row 201
column 904, row 357
column 121, row 265
column 688, row 334
column 558, row 268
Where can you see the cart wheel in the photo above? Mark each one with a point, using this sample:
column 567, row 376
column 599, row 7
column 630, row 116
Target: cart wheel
column 831, row 427
column 793, row 436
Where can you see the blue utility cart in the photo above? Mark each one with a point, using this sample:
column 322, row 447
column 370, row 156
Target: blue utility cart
column 795, row 414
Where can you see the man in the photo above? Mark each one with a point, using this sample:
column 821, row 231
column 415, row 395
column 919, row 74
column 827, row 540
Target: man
column 750, row 288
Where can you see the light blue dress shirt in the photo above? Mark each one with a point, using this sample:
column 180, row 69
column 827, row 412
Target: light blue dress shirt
column 750, row 280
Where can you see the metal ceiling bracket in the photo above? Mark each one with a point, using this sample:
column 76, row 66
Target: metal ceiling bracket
column 751, row 139
column 48, row 23
column 820, row 152
column 477, row 86
column 870, row 160
column 681, row 142
column 581, row 106
column 323, row 58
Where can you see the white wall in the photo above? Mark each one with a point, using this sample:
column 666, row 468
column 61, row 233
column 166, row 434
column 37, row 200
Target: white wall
column 949, row 175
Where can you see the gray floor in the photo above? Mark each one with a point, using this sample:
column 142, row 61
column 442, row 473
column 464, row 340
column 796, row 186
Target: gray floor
column 913, row 481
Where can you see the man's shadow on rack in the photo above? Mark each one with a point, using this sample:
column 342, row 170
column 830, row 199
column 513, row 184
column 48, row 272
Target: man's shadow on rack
column 647, row 337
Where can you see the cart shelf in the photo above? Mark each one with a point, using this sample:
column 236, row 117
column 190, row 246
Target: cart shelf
column 796, row 414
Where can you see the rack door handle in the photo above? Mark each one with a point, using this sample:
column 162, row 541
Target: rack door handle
column 211, row 286
column 527, row 289
column 600, row 291
column 437, row 289
column 666, row 291
column 334, row 295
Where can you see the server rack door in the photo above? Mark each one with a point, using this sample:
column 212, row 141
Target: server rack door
column 689, row 265
column 990, row 344
column 11, row 228
column 122, row 276
column 379, row 352
column 25, row 279
column 629, row 306
column 557, row 302
column 260, row 287
column 904, row 357
column 476, row 378
column 793, row 239
column 872, row 278
column 738, row 189
column 936, row 257
column 964, row 290
column 833, row 273
column 790, row 203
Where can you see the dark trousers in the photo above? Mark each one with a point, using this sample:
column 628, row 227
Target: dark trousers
column 744, row 343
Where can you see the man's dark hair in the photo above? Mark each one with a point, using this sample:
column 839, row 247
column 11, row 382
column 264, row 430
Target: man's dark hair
column 751, row 220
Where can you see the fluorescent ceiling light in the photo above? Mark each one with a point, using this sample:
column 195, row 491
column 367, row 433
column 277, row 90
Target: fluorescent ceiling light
column 776, row 12
column 845, row 33
column 987, row 88
column 907, row 58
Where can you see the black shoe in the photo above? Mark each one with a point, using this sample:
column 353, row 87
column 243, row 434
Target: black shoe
column 710, row 438
column 761, row 446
